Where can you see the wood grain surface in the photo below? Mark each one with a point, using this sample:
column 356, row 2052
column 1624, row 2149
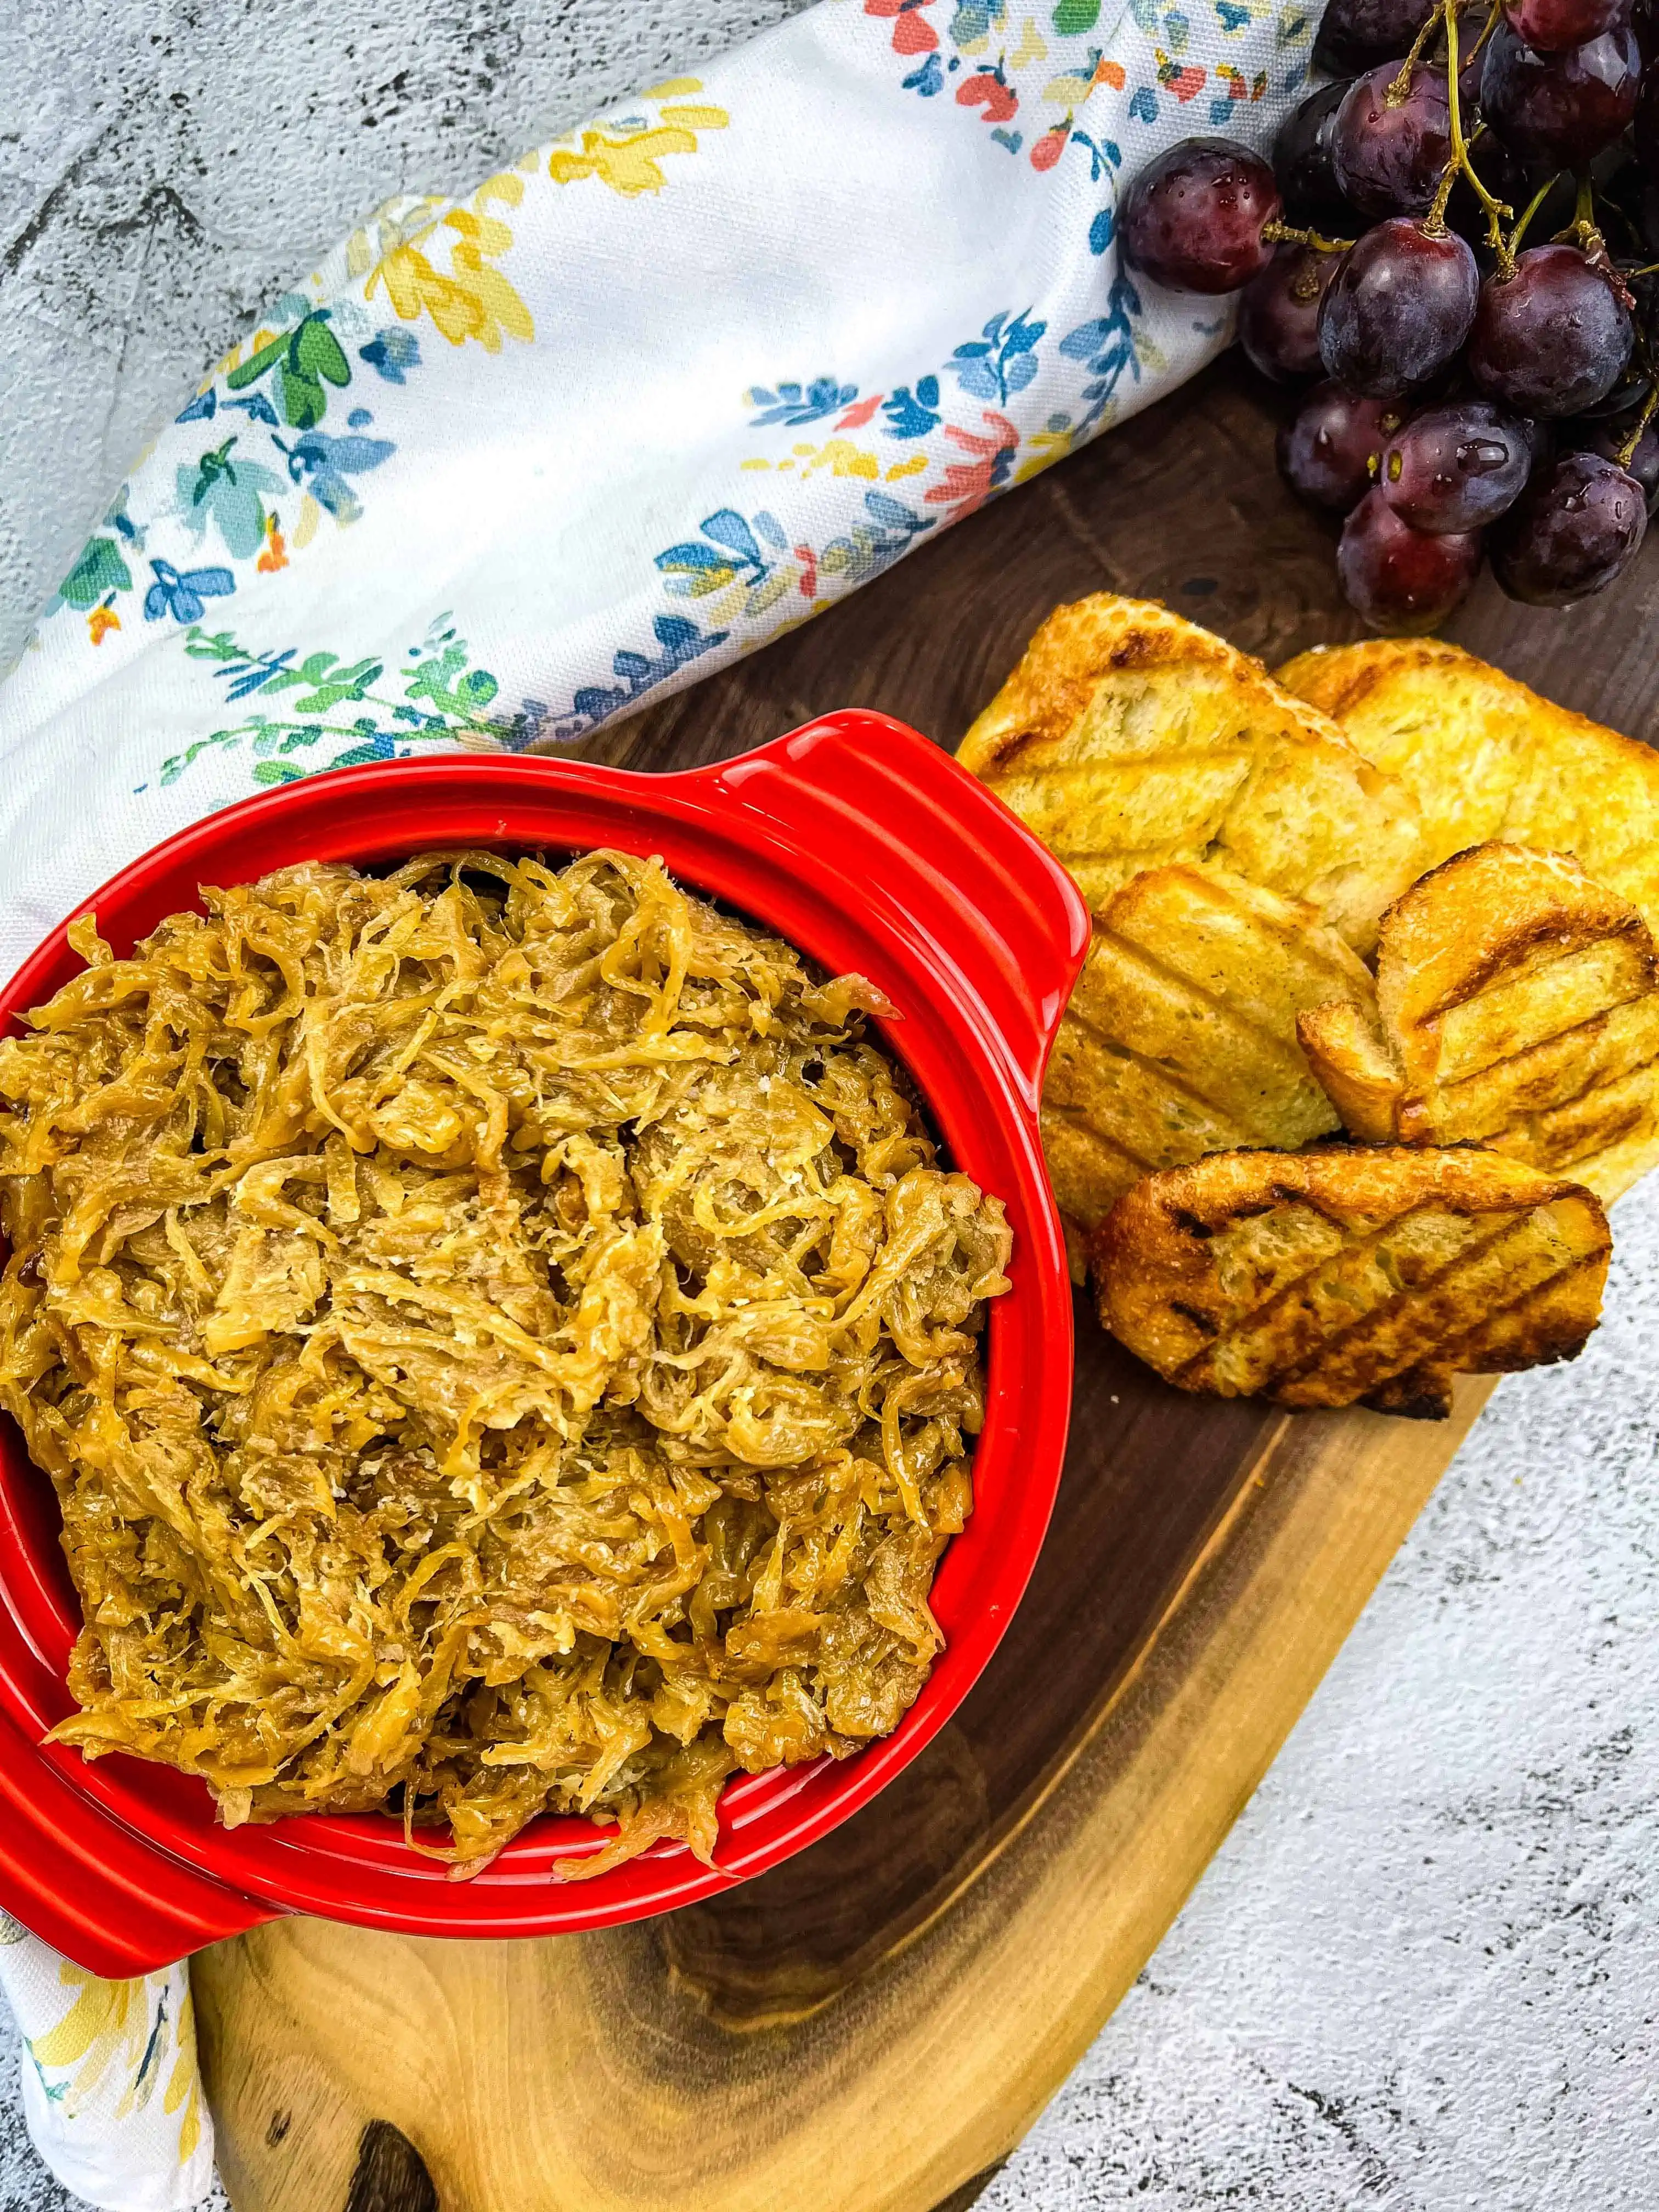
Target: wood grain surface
column 871, row 2026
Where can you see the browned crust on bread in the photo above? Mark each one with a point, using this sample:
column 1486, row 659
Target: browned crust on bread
column 1517, row 1007
column 1129, row 738
column 1075, row 645
column 1337, row 1276
column 1490, row 910
column 1487, row 760
column 1180, row 1037
column 1337, row 679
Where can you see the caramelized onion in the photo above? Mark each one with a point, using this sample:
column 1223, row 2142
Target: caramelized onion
column 500, row 1341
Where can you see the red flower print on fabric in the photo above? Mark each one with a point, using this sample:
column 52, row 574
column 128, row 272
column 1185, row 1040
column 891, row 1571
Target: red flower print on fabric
column 912, row 31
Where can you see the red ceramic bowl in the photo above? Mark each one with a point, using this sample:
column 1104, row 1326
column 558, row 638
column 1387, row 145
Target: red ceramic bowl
column 870, row 849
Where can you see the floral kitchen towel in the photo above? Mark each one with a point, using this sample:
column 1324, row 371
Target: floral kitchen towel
column 110, row 2090
column 510, row 464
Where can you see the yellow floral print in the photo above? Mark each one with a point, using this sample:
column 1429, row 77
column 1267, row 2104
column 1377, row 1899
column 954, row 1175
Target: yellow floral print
column 839, row 457
column 110, row 2025
column 1044, row 446
column 470, row 300
column 393, row 224
column 627, row 155
column 184, row 2087
column 108, row 2021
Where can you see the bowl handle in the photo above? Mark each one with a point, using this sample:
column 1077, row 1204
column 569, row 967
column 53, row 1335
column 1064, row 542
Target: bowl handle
column 913, row 831
column 109, row 1900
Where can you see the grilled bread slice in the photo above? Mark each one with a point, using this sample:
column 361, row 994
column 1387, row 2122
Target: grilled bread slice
column 1487, row 758
column 1517, row 1007
column 1128, row 739
column 1180, row 1037
column 1341, row 1277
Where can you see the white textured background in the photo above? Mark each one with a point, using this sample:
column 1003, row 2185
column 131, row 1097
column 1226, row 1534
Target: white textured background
column 1424, row 1972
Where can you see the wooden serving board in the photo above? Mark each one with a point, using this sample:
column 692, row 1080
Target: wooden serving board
column 871, row 2026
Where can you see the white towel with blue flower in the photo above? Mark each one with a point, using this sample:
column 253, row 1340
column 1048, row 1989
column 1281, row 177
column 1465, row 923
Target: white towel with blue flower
column 509, row 465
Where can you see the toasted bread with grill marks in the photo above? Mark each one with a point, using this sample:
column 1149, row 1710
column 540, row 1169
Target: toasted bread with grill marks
column 1341, row 1277
column 1485, row 758
column 1180, row 1037
column 1129, row 738
column 1517, row 1007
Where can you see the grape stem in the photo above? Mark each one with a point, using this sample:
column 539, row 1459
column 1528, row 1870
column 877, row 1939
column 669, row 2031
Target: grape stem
column 1399, row 90
column 1283, row 234
column 1460, row 164
column 1532, row 207
column 1628, row 451
column 1585, row 233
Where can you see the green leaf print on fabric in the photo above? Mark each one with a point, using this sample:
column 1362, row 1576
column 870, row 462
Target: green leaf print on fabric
column 230, row 492
column 99, row 570
column 452, row 687
column 443, row 699
column 303, row 360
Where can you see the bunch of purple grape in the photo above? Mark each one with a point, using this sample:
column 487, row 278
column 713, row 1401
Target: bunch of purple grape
column 1456, row 247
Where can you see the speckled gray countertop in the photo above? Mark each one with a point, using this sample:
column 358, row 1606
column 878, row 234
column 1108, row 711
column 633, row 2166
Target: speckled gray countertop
column 1424, row 1972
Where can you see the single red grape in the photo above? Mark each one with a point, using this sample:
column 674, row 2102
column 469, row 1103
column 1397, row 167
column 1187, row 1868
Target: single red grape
column 1326, row 453
column 1302, row 158
column 1401, row 579
column 1554, row 337
column 1279, row 312
column 1550, row 25
column 1457, row 467
column 1398, row 308
column 1559, row 109
column 1192, row 217
column 1388, row 158
column 1577, row 526
column 1609, row 439
column 1355, row 34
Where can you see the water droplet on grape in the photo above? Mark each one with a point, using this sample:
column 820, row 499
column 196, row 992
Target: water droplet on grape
column 1578, row 527
column 1325, row 454
column 1401, row 579
column 1192, row 217
column 1388, row 156
column 1610, row 439
column 1551, row 340
column 1457, row 467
